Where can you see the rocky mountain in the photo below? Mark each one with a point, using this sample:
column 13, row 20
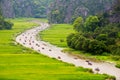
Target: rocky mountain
column 57, row 11
column 25, row 8
column 65, row 11
column 7, row 8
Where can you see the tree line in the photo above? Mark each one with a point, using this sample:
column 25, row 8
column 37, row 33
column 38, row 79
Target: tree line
column 97, row 34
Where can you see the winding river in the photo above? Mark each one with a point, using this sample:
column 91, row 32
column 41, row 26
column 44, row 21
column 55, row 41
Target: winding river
column 28, row 39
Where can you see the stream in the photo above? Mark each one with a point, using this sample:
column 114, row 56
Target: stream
column 28, row 39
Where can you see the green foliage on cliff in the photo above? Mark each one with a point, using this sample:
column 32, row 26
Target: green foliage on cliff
column 66, row 11
column 25, row 8
column 31, row 8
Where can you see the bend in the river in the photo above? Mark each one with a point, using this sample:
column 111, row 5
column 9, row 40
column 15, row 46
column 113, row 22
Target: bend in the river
column 28, row 39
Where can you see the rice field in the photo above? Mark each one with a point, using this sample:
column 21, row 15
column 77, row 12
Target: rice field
column 57, row 34
column 20, row 63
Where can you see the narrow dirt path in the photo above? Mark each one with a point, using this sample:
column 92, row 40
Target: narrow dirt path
column 28, row 39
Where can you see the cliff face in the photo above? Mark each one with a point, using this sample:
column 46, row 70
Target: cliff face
column 60, row 11
column 7, row 8
column 25, row 8
column 115, row 16
column 22, row 8
column 65, row 11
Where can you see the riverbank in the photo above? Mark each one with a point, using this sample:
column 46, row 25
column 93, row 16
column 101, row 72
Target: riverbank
column 28, row 39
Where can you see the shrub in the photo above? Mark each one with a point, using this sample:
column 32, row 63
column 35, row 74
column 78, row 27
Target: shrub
column 91, row 23
column 85, row 45
column 5, row 24
column 116, row 58
column 69, row 38
column 119, row 34
column 88, row 35
column 97, row 47
column 79, row 42
column 73, row 41
column 113, row 34
column 78, row 24
column 61, row 40
column 102, row 37
column 116, row 51
column 110, row 41
column 8, row 25
column 117, row 65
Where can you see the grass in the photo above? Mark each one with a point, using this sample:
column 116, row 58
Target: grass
column 118, row 65
column 60, row 31
column 38, row 67
column 20, row 63
column 88, row 56
column 57, row 34
column 7, row 36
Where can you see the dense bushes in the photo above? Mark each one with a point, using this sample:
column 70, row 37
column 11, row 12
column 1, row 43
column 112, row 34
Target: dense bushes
column 79, row 42
column 93, row 38
column 5, row 24
column 118, row 65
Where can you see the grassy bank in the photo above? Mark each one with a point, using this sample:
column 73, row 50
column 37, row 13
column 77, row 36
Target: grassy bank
column 19, row 63
column 60, row 31
column 57, row 34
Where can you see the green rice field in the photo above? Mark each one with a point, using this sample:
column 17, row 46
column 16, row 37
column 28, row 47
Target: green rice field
column 57, row 34
column 20, row 63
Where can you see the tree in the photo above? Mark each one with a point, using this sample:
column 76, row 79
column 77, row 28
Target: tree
column 4, row 24
column 8, row 25
column 78, row 24
column 91, row 23
column 69, row 39
column 97, row 47
column 102, row 37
